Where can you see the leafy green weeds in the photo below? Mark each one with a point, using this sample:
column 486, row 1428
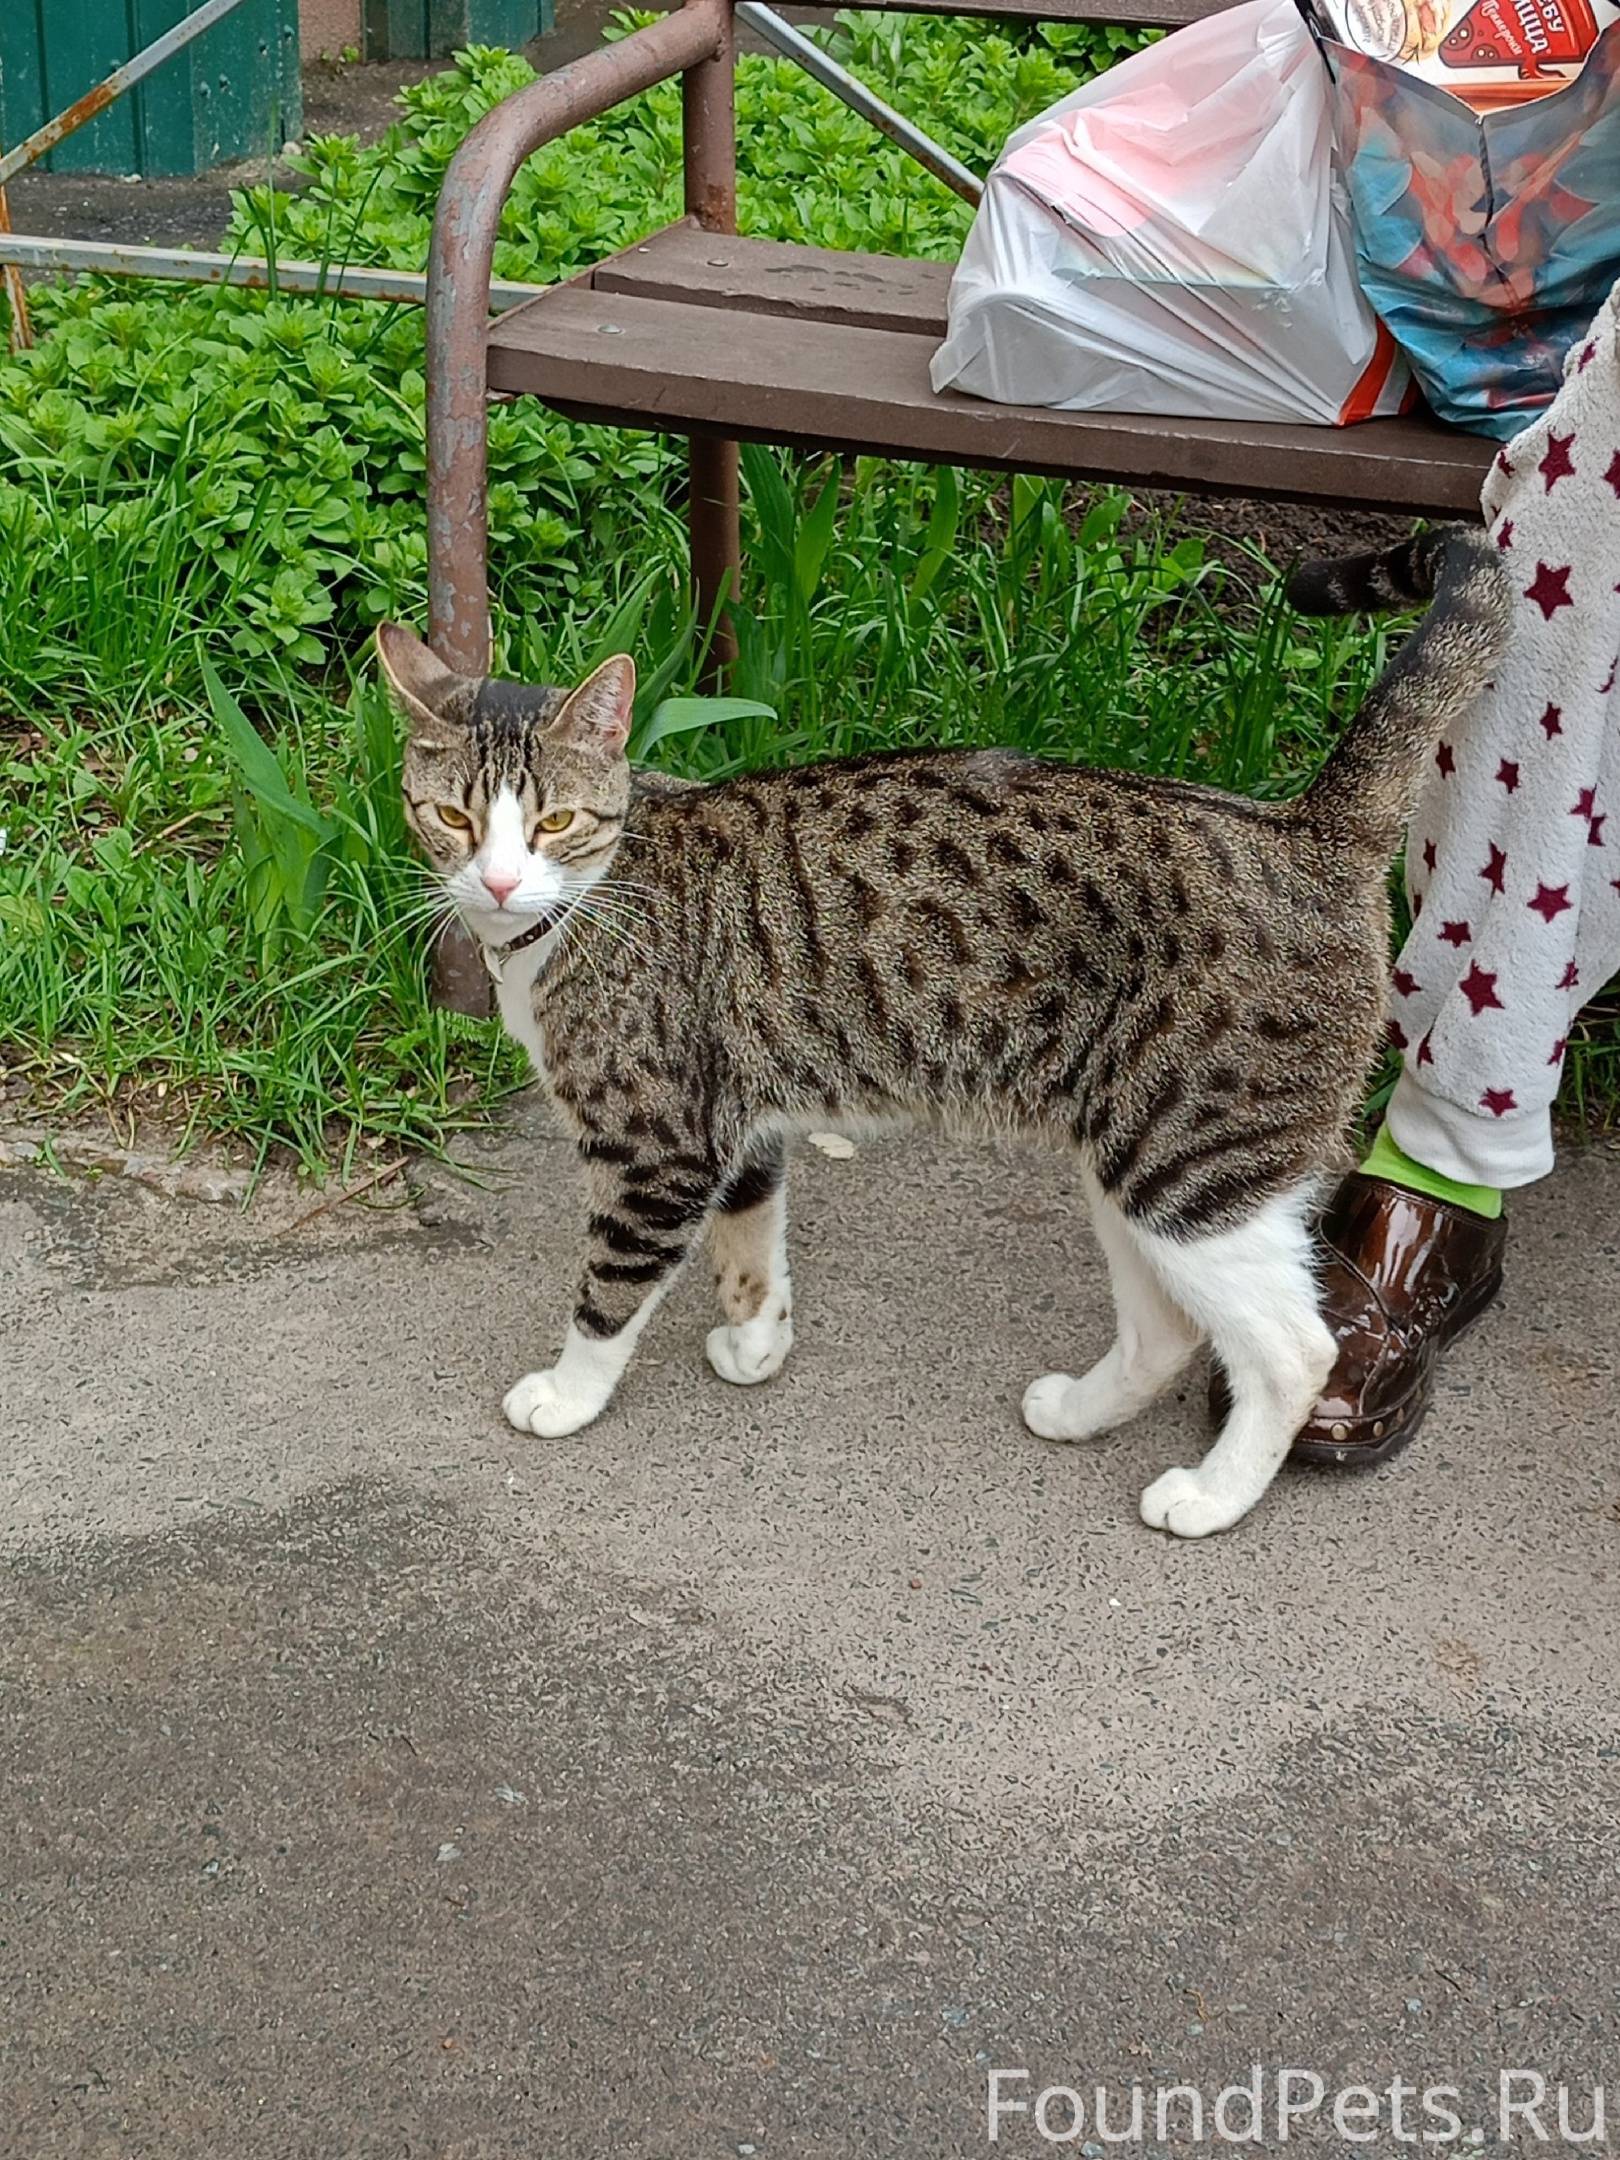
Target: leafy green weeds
column 207, row 899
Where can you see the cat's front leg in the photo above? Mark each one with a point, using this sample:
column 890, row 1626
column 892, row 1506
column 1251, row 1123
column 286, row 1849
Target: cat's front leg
column 642, row 1218
column 748, row 1242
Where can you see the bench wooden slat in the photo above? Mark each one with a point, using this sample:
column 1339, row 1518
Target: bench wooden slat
column 772, row 277
column 793, row 377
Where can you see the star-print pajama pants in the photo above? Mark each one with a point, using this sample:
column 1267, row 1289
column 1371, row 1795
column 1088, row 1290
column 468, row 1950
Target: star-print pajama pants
column 1513, row 858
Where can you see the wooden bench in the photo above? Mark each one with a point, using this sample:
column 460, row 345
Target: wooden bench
column 699, row 332
column 692, row 332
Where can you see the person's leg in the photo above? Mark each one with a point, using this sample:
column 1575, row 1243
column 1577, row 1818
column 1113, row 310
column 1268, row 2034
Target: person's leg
column 1511, row 862
column 1387, row 1159
column 1513, row 869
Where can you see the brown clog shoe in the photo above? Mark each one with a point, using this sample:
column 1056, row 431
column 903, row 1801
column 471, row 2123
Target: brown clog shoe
column 1402, row 1276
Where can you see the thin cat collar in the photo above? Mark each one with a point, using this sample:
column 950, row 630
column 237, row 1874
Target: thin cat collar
column 495, row 956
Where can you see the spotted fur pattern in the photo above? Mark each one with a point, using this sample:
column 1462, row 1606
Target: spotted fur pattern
column 1181, row 987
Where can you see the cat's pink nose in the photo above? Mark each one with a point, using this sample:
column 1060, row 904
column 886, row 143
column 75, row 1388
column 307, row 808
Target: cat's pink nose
column 502, row 883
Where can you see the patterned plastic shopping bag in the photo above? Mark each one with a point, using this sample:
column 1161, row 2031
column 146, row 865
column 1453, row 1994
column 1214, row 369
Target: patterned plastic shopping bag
column 1480, row 142
column 1172, row 239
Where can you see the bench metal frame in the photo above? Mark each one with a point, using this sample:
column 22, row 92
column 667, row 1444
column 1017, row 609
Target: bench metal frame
column 851, row 376
column 698, row 43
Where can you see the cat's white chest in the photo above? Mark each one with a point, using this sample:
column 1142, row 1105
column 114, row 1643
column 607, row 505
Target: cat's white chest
column 516, row 1004
column 514, row 1000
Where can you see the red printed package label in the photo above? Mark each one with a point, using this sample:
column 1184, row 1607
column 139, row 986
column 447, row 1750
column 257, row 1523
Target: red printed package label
column 1488, row 53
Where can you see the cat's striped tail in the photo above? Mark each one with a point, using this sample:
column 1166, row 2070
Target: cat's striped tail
column 1365, row 791
column 1396, row 577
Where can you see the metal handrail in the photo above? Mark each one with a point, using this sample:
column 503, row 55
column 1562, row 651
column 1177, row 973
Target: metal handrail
column 695, row 43
column 465, row 226
column 208, row 266
column 805, row 53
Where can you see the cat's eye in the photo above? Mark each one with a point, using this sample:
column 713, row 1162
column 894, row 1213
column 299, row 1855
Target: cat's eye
column 556, row 821
column 456, row 818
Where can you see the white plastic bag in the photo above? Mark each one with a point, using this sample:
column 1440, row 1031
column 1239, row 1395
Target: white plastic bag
column 1173, row 239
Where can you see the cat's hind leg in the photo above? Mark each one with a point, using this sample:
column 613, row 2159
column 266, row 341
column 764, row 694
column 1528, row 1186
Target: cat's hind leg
column 1153, row 1343
column 1252, row 1291
column 748, row 1242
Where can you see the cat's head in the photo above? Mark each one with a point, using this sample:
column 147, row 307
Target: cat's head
column 517, row 795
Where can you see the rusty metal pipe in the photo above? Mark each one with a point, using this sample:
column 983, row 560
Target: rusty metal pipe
column 475, row 189
column 134, row 70
column 822, row 68
column 460, row 261
column 709, row 145
column 22, row 328
column 709, row 133
column 713, row 517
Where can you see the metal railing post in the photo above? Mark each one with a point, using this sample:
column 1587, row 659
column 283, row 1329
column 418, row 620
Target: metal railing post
column 460, row 261
column 709, row 136
column 21, row 334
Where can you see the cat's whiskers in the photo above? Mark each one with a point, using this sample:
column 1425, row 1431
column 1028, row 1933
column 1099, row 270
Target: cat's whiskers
column 631, row 904
column 425, row 908
column 632, row 891
column 611, row 882
column 620, row 933
column 427, row 900
column 587, row 950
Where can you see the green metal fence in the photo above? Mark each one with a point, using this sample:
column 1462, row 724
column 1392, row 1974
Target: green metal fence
column 233, row 93
column 418, row 29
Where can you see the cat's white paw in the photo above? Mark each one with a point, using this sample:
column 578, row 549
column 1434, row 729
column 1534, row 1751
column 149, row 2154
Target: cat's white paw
column 754, row 1351
column 1060, row 1407
column 1054, row 1407
column 1182, row 1503
column 552, row 1405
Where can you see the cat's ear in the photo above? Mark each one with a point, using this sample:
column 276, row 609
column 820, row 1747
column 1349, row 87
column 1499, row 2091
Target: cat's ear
column 597, row 715
column 430, row 695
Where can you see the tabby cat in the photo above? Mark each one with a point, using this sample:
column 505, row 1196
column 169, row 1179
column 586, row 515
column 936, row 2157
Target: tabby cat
column 1183, row 987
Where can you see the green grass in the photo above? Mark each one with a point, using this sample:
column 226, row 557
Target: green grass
column 207, row 902
column 162, row 940
column 141, row 967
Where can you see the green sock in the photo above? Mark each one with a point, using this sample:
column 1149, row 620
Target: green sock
column 1385, row 1160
